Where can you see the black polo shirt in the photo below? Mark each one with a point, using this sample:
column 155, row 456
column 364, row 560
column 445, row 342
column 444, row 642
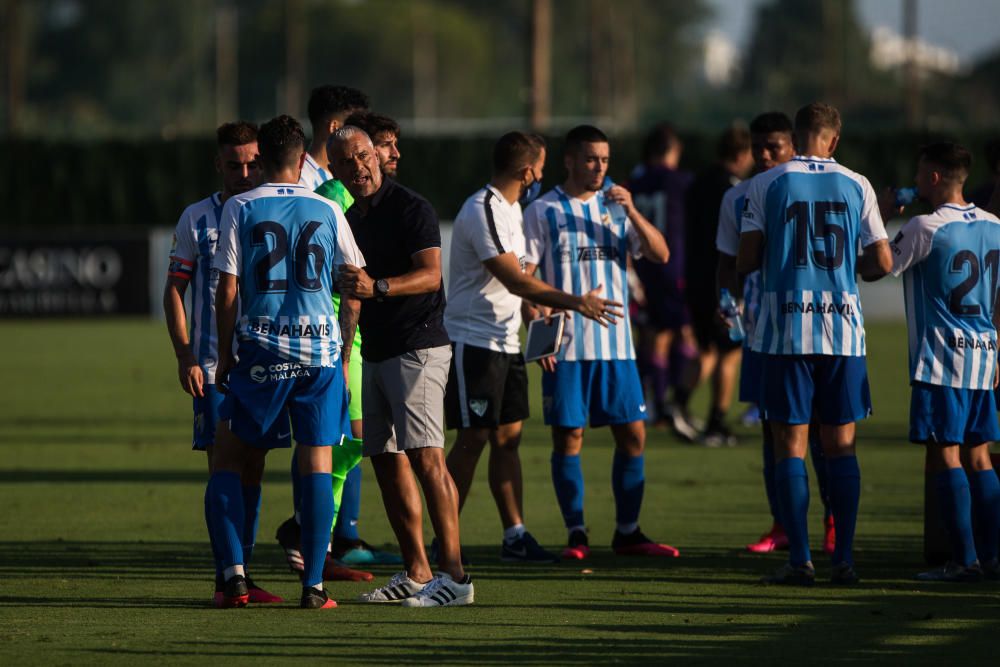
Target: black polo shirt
column 399, row 224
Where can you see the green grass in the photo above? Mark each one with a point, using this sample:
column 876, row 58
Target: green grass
column 103, row 554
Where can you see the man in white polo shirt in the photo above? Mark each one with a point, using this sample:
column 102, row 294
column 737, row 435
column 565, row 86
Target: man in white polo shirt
column 487, row 394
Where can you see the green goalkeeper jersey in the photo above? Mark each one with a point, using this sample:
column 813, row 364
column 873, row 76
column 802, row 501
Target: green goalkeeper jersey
column 335, row 191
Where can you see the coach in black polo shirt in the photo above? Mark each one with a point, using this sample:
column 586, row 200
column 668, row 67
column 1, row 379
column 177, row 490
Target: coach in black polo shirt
column 406, row 354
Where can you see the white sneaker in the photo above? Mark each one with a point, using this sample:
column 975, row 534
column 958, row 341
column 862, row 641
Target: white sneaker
column 399, row 588
column 442, row 591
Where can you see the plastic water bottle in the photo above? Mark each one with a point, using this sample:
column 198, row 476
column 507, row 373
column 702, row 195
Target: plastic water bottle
column 729, row 310
column 905, row 196
column 616, row 210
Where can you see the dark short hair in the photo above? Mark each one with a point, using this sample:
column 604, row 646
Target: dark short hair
column 816, row 117
column 951, row 159
column 583, row 134
column 516, row 150
column 733, row 142
column 237, row 133
column 325, row 102
column 771, row 121
column 659, row 141
column 281, row 142
column 373, row 123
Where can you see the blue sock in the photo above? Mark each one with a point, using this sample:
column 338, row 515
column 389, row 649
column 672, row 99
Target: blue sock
column 216, row 558
column 296, row 484
column 792, row 485
column 251, row 519
column 768, row 457
column 346, row 527
column 567, row 478
column 845, row 494
column 317, row 521
column 986, row 497
column 819, row 467
column 956, row 510
column 225, row 512
column 628, row 479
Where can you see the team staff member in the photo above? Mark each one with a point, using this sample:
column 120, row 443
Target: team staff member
column 581, row 239
column 487, row 396
column 406, row 354
column 720, row 357
column 384, row 133
column 195, row 241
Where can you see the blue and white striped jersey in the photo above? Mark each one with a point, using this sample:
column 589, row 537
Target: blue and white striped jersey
column 285, row 242
column 195, row 239
column 727, row 240
column 950, row 260
column 814, row 214
column 579, row 245
column 313, row 175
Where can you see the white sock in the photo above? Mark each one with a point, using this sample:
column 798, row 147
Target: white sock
column 515, row 532
column 318, row 586
column 232, row 571
column 628, row 528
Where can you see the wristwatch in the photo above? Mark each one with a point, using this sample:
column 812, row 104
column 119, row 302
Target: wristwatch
column 381, row 288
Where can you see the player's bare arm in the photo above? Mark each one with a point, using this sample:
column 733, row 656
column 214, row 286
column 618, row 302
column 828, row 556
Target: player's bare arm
column 875, row 261
column 726, row 276
column 651, row 242
column 350, row 310
column 423, row 279
column 507, row 270
column 225, row 316
column 751, row 253
column 189, row 373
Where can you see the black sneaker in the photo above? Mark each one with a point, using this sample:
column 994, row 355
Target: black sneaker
column 787, row 575
column 526, row 549
column 289, row 536
column 578, row 547
column 844, row 575
column 313, row 598
column 432, row 554
column 234, row 592
column 954, row 573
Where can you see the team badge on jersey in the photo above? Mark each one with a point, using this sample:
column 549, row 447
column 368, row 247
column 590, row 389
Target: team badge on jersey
column 478, row 406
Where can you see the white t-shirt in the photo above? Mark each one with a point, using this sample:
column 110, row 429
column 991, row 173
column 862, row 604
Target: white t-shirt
column 480, row 311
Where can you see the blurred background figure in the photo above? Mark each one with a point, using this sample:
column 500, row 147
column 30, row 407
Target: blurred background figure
column 667, row 347
column 719, row 356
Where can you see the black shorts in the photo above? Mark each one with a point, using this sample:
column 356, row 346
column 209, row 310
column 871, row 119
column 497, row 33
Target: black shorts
column 485, row 388
column 709, row 330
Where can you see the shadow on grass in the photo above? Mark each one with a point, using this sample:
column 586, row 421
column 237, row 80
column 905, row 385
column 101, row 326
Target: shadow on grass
column 703, row 606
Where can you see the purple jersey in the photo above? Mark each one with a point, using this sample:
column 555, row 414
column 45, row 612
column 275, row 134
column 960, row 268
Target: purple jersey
column 659, row 193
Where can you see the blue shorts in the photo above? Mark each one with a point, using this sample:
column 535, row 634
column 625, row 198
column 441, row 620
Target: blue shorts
column 267, row 392
column 946, row 415
column 750, row 376
column 609, row 392
column 795, row 387
column 206, row 414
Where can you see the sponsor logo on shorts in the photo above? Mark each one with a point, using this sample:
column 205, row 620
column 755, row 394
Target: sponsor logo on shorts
column 478, row 406
column 276, row 372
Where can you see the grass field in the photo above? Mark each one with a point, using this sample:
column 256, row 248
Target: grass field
column 104, row 558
